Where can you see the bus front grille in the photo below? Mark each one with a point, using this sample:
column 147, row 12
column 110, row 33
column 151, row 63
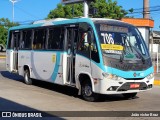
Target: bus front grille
column 126, row 86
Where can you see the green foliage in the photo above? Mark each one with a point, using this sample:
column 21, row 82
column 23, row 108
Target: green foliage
column 105, row 9
column 67, row 11
column 108, row 9
column 5, row 24
column 3, row 35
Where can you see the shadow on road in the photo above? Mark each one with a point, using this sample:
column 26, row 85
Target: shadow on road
column 13, row 107
column 11, row 76
column 66, row 90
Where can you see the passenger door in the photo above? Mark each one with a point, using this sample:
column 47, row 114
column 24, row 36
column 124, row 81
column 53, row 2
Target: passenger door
column 12, row 51
column 71, row 34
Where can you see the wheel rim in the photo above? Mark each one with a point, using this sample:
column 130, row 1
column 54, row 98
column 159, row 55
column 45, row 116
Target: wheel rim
column 88, row 90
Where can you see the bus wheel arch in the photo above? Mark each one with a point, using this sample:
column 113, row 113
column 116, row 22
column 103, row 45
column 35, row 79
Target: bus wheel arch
column 27, row 79
column 86, row 88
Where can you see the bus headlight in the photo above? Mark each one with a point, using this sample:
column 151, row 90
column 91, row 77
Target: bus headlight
column 111, row 76
column 150, row 76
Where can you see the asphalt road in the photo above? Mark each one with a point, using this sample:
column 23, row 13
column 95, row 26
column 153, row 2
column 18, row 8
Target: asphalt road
column 42, row 96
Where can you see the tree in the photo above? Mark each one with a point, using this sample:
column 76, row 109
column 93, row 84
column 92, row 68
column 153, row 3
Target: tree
column 103, row 9
column 5, row 24
column 67, row 11
column 108, row 9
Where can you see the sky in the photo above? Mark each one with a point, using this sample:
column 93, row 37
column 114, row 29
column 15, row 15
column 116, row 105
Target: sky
column 30, row 10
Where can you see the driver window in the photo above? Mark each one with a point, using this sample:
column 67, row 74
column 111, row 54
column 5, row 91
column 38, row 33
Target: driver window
column 83, row 45
column 87, row 44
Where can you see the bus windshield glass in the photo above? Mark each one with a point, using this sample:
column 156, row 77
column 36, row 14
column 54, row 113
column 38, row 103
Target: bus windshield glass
column 122, row 42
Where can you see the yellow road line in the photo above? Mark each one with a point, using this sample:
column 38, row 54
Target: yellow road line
column 156, row 82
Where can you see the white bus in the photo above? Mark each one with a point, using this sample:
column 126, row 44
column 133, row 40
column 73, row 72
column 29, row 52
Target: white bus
column 97, row 56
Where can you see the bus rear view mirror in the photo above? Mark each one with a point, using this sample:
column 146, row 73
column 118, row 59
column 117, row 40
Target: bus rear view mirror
column 90, row 37
column 83, row 26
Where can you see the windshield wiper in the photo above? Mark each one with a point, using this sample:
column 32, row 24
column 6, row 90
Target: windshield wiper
column 122, row 55
column 130, row 46
column 142, row 57
column 124, row 47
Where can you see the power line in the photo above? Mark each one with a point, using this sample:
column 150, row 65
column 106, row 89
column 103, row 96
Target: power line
column 140, row 10
column 31, row 15
column 145, row 8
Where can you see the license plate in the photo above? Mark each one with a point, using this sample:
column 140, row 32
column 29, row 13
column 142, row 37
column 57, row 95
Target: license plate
column 134, row 85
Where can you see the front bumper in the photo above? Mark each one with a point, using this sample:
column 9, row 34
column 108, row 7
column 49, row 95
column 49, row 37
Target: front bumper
column 109, row 86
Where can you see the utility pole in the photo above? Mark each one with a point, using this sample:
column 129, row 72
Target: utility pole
column 146, row 11
column 13, row 2
column 86, row 8
column 85, row 5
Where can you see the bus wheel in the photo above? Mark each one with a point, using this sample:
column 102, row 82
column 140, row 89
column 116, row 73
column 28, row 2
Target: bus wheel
column 129, row 95
column 27, row 78
column 87, row 92
column 0, row 48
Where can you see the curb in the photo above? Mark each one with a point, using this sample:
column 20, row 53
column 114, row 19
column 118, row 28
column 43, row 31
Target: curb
column 156, row 82
column 2, row 57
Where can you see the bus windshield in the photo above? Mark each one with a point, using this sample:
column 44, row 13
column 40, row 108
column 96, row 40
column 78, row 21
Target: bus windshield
column 122, row 42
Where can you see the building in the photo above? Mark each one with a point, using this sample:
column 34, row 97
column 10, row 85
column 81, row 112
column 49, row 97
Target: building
column 155, row 50
column 143, row 25
column 152, row 38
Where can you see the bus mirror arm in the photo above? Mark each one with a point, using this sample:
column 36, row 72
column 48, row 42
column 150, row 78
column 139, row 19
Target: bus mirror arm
column 90, row 37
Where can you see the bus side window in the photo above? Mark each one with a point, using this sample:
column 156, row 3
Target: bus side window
column 9, row 40
column 39, row 39
column 14, row 39
column 56, row 38
column 94, row 50
column 87, row 45
column 83, row 44
column 26, row 39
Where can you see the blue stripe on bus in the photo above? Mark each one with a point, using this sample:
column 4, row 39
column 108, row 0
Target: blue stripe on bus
column 126, row 74
column 129, row 74
column 56, row 68
column 121, row 73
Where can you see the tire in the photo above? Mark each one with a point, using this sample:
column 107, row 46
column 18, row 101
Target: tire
column 1, row 49
column 27, row 79
column 129, row 95
column 87, row 92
